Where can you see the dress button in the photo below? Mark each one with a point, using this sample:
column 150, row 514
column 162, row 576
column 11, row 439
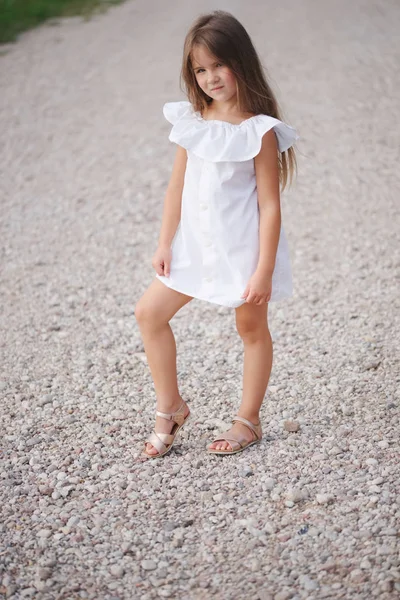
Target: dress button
column 207, row 244
column 208, row 279
column 203, row 206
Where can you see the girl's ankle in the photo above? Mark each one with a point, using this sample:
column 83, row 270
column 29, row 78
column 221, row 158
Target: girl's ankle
column 169, row 406
column 255, row 419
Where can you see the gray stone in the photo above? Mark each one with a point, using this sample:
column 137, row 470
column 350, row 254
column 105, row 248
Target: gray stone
column 292, row 426
column 148, row 565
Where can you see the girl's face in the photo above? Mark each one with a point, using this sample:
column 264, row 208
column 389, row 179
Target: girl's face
column 214, row 78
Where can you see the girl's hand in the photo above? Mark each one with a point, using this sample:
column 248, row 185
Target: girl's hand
column 259, row 288
column 162, row 261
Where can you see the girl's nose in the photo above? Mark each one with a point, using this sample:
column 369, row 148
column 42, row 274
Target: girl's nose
column 213, row 79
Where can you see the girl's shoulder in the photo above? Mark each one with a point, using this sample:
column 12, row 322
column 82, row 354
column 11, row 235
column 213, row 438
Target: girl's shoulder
column 217, row 140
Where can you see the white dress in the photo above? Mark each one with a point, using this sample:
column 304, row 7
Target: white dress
column 216, row 246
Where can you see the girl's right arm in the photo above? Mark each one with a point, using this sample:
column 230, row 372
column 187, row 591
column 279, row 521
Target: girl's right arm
column 171, row 214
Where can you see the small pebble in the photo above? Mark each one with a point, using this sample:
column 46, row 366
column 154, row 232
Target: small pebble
column 291, row 426
column 148, row 565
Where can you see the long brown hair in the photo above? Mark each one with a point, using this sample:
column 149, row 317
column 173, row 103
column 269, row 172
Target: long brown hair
column 227, row 40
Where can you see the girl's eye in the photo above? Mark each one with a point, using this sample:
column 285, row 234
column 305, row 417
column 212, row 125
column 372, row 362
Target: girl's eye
column 199, row 71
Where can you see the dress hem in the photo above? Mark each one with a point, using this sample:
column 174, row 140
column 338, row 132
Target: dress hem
column 196, row 297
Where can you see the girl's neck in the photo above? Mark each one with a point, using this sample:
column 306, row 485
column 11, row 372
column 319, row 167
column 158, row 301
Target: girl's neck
column 224, row 111
column 227, row 109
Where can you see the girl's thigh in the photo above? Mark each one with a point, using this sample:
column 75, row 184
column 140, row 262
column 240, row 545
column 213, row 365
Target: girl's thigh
column 159, row 303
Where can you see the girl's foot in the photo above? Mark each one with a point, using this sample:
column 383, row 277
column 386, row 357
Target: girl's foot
column 164, row 425
column 237, row 429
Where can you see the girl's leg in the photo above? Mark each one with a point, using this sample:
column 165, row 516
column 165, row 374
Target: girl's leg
column 252, row 326
column 153, row 312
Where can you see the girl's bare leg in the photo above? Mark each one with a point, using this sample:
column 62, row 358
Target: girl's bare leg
column 252, row 326
column 153, row 312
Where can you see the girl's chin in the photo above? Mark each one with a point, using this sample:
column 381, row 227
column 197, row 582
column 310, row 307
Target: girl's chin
column 222, row 95
column 217, row 96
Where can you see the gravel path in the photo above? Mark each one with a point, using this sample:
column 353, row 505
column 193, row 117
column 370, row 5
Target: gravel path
column 313, row 511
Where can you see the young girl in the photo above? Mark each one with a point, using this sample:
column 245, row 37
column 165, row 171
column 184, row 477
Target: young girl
column 221, row 237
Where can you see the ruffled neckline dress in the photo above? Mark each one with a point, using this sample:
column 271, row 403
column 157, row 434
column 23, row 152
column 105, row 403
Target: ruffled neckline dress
column 216, row 140
column 216, row 246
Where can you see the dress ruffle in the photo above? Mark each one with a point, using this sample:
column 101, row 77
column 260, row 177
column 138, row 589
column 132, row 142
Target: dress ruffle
column 219, row 141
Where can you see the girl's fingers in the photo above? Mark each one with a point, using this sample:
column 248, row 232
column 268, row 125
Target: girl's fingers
column 253, row 298
column 159, row 269
column 161, row 264
column 257, row 299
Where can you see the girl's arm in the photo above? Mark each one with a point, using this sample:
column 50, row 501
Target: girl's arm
column 267, row 177
column 173, row 199
column 259, row 287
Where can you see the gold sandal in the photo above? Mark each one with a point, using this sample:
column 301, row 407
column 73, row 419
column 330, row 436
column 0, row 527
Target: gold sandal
column 163, row 442
column 238, row 443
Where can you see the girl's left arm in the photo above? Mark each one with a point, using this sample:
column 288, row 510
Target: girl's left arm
column 266, row 164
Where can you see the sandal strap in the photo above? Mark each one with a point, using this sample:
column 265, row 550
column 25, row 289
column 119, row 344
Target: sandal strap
column 160, row 441
column 177, row 416
column 235, row 444
column 256, row 429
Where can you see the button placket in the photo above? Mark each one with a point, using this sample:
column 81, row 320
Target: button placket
column 207, row 246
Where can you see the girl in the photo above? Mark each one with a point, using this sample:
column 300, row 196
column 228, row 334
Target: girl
column 221, row 237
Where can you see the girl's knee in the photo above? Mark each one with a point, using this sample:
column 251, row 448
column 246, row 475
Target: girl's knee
column 139, row 313
column 158, row 305
column 250, row 328
column 148, row 313
column 144, row 312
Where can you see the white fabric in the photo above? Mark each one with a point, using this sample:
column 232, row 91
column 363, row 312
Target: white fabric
column 216, row 246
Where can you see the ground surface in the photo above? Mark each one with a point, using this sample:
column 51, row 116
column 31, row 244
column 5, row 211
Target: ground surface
column 85, row 160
